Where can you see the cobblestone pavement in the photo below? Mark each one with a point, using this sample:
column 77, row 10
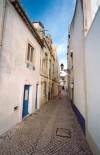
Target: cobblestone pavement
column 52, row 130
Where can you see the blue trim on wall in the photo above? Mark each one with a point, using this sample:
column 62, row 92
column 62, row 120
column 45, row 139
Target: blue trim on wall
column 79, row 116
column 33, row 68
column 27, row 65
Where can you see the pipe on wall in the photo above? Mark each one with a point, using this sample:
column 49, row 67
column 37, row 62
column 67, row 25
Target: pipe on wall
column 2, row 21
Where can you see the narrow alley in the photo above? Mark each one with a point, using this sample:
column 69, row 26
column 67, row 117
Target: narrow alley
column 51, row 130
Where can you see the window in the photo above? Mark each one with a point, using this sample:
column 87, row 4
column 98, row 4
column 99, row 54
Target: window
column 40, row 59
column 44, row 87
column 49, row 72
column 46, row 60
column 30, row 53
column 50, row 64
column 53, row 68
column 49, row 86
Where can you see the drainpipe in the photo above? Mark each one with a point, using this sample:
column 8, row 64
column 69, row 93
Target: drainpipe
column 2, row 21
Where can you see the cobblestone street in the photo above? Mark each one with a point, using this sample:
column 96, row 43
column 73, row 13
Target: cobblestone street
column 52, row 130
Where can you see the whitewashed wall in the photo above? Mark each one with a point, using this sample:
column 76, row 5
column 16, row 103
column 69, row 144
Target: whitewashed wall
column 13, row 71
column 92, row 56
column 77, row 46
column 66, row 81
column 94, row 7
column 1, row 20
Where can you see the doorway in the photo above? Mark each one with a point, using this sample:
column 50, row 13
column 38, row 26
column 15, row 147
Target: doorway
column 36, row 96
column 25, row 101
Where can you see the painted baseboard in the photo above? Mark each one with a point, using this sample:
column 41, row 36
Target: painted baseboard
column 95, row 150
column 79, row 116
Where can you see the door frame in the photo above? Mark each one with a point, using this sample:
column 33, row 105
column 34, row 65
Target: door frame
column 25, row 110
column 36, row 97
column 31, row 99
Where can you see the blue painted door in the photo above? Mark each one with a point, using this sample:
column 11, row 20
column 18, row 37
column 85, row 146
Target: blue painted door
column 36, row 96
column 25, row 101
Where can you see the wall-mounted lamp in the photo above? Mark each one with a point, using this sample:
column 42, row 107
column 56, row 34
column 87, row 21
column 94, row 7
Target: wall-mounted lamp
column 62, row 66
column 65, row 70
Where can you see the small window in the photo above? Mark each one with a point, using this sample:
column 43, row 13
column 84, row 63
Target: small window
column 30, row 53
column 44, row 87
column 40, row 59
column 46, row 60
column 50, row 64
column 49, row 72
column 49, row 86
column 53, row 68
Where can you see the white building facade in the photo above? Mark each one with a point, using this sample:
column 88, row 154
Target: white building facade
column 28, row 65
column 92, row 63
column 49, row 66
column 83, row 59
column 19, row 68
column 76, row 64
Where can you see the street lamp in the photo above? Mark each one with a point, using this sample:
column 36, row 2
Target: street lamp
column 62, row 67
column 65, row 70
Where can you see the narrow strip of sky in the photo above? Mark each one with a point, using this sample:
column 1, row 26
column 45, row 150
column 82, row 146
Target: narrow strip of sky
column 55, row 15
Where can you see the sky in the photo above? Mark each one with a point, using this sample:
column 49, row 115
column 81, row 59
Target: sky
column 55, row 15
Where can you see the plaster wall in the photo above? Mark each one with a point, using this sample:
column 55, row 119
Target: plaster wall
column 13, row 71
column 92, row 56
column 56, row 72
column 44, row 97
column 94, row 7
column 66, row 81
column 77, row 46
column 70, row 75
column 86, row 5
column 56, row 88
column 1, row 12
column 69, row 62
